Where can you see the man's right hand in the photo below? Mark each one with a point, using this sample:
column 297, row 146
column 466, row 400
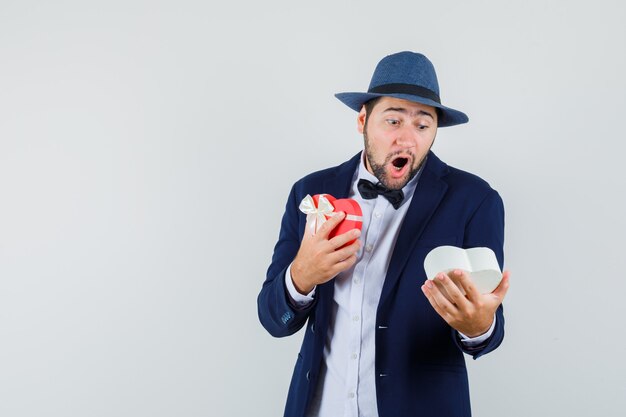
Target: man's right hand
column 320, row 259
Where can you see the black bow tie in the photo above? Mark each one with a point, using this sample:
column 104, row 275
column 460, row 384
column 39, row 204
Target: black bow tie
column 368, row 191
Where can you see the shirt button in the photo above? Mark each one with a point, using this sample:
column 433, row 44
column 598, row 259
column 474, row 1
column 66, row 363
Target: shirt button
column 377, row 214
column 354, row 356
column 369, row 248
column 356, row 280
column 351, row 395
column 355, row 318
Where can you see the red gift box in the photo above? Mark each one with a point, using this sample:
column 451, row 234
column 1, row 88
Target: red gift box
column 353, row 219
column 319, row 211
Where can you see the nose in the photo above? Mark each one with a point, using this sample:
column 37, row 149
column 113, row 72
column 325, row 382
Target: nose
column 406, row 137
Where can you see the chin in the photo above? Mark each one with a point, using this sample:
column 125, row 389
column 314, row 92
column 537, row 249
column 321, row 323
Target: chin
column 399, row 183
column 396, row 184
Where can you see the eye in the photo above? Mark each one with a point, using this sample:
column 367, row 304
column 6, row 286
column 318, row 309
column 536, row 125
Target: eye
column 393, row 122
column 422, row 127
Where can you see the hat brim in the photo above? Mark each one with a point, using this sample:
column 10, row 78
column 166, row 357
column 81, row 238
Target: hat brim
column 447, row 116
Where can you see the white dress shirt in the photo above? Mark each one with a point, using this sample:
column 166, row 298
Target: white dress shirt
column 347, row 385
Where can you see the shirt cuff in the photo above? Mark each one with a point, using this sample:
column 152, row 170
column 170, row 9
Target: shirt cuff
column 475, row 341
column 298, row 300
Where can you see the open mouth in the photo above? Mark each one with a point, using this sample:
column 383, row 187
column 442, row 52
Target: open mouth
column 399, row 163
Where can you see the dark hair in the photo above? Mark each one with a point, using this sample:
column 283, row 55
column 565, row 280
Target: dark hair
column 369, row 106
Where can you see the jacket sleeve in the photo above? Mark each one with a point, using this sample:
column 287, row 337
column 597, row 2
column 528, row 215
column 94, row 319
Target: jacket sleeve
column 486, row 228
column 276, row 313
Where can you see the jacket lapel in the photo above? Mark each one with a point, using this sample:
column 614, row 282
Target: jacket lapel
column 339, row 183
column 426, row 198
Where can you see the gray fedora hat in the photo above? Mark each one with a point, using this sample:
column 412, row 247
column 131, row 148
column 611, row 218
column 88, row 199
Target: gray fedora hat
column 409, row 76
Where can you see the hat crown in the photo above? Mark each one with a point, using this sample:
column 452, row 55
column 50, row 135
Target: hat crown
column 406, row 76
column 405, row 68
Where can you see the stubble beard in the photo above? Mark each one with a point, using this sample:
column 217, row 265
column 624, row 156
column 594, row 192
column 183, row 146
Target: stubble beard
column 379, row 169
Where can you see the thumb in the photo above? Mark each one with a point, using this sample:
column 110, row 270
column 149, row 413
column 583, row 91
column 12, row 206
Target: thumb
column 502, row 289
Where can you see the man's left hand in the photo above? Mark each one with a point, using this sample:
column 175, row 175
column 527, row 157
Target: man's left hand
column 471, row 313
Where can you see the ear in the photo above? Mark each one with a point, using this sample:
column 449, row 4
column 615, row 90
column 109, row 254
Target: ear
column 360, row 120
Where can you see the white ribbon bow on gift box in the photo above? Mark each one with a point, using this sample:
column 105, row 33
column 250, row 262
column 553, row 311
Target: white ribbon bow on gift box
column 316, row 216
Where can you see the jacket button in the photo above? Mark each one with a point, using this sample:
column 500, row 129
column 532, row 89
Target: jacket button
column 313, row 328
column 308, row 375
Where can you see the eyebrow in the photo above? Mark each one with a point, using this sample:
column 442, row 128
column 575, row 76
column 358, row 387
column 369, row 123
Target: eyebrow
column 405, row 111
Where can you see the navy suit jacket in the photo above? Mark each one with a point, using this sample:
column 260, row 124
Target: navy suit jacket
column 420, row 368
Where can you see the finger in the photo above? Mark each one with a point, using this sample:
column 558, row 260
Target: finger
column 340, row 265
column 342, row 239
column 345, row 263
column 441, row 304
column 502, row 289
column 455, row 296
column 329, row 225
column 345, row 252
column 462, row 279
column 441, row 288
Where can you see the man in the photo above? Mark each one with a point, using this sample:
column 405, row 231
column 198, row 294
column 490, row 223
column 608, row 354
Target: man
column 381, row 339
